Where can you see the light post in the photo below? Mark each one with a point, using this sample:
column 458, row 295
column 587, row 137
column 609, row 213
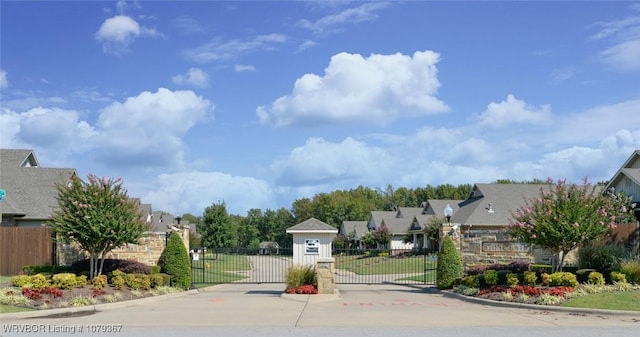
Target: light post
column 448, row 212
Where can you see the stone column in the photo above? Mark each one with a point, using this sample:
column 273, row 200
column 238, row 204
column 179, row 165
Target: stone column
column 325, row 270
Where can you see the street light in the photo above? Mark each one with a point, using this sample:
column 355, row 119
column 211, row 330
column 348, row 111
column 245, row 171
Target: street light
column 448, row 212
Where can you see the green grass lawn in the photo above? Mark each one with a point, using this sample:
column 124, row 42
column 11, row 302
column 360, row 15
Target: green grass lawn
column 8, row 308
column 626, row 300
column 363, row 265
column 219, row 268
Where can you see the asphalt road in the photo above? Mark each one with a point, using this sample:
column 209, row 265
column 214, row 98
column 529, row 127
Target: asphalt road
column 359, row 310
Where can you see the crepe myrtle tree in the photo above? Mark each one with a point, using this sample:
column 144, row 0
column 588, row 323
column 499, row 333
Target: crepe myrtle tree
column 98, row 216
column 380, row 237
column 564, row 216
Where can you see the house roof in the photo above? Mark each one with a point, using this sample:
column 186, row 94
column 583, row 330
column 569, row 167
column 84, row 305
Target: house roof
column 631, row 170
column 408, row 212
column 432, row 208
column 397, row 226
column 375, row 217
column 492, row 204
column 357, row 227
column 313, row 225
column 30, row 189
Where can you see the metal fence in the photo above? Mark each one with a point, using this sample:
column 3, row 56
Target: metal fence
column 244, row 265
column 355, row 266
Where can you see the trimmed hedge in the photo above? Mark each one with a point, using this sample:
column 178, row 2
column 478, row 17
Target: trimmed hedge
column 37, row 269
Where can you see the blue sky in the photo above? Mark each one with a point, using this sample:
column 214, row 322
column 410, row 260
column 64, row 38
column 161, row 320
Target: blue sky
column 258, row 104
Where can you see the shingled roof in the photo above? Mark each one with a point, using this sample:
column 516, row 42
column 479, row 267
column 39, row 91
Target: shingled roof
column 30, row 189
column 312, row 224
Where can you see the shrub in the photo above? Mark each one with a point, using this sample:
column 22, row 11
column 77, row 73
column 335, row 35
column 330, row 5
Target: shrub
column 174, row 261
column 529, row 278
column 65, row 280
column 126, row 266
column 157, row 280
column 618, row 277
column 471, row 281
column 541, row 268
column 545, row 278
column 37, row 269
column 137, row 281
column 156, row 269
column 99, row 281
column 476, row 270
column 596, row 278
column 490, row 277
column 297, row 276
column 512, row 280
column 40, row 281
column 449, row 264
column 518, row 266
column 21, row 280
column 604, row 259
column 631, row 269
column 563, row 278
column 118, row 281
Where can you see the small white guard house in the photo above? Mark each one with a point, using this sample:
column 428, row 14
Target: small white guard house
column 312, row 241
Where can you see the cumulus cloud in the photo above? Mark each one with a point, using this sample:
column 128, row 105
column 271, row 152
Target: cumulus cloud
column 4, row 81
column 145, row 130
column 514, row 111
column 319, row 161
column 355, row 89
column 195, row 77
column 217, row 49
column 192, row 190
column 118, row 32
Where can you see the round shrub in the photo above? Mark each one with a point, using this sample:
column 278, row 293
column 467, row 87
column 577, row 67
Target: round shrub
column 99, row 281
column 512, row 280
column 21, row 280
column 471, row 281
column 491, row 277
column 596, row 278
column 174, row 261
column 565, row 279
column 449, row 264
column 618, row 277
column 65, row 280
column 529, row 278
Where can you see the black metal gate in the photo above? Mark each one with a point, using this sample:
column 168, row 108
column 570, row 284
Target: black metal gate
column 356, row 266
column 240, row 265
column 352, row 266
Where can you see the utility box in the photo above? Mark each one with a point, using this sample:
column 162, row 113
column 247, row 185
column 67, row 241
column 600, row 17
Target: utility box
column 312, row 242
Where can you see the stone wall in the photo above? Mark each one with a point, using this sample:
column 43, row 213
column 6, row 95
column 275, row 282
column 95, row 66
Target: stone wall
column 493, row 245
column 148, row 251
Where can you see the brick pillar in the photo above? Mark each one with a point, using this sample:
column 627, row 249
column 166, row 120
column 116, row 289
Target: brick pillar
column 325, row 270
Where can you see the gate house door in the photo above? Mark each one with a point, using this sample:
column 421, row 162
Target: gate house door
column 240, row 265
column 355, row 266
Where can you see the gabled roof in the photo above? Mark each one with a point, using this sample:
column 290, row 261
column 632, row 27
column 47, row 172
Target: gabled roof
column 312, row 225
column 397, row 226
column 375, row 218
column 359, row 228
column 408, row 212
column 432, row 208
column 631, row 170
column 492, row 204
column 30, row 189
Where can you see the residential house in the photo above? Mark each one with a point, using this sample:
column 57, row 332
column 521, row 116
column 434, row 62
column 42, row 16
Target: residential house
column 30, row 189
column 432, row 211
column 627, row 181
column 352, row 231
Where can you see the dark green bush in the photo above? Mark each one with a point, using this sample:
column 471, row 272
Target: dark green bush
column 472, row 281
column 174, row 261
column 582, row 275
column 449, row 264
column 604, row 259
column 37, row 269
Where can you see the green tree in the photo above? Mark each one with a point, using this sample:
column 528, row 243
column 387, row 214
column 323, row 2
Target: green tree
column 449, row 264
column 216, row 227
column 98, row 216
column 174, row 261
column 565, row 216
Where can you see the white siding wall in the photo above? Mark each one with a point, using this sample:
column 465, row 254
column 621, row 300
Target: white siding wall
column 300, row 257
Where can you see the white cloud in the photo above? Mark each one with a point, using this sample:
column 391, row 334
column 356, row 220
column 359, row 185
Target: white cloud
column 188, row 25
column 217, row 50
column 243, row 67
column 624, row 34
column 514, row 111
column 118, row 32
column 377, row 89
column 145, row 130
column 4, row 81
column 319, row 161
column 195, row 190
column 362, row 13
column 195, row 77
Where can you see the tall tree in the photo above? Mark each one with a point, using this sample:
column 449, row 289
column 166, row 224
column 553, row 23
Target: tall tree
column 565, row 216
column 216, row 228
column 98, row 216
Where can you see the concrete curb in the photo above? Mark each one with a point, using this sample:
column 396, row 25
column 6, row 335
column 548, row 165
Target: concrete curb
column 556, row 308
column 90, row 309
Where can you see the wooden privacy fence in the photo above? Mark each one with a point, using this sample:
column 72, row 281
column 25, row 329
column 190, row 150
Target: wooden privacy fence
column 24, row 246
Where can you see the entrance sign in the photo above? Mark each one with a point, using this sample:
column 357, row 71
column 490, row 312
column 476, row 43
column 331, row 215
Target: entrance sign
column 312, row 246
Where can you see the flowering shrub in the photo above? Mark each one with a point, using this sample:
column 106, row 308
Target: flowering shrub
column 309, row 289
column 36, row 294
